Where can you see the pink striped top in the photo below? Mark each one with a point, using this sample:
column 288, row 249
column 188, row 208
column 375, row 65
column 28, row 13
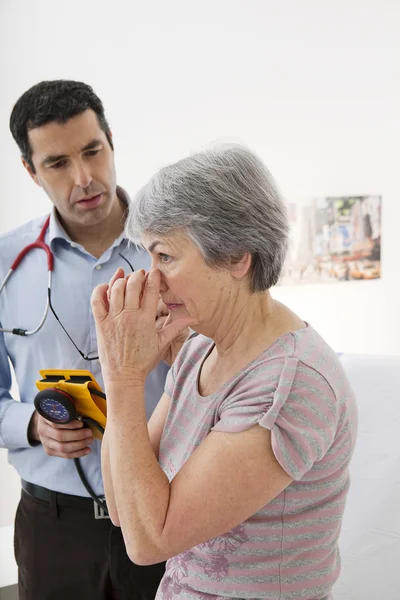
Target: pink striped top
column 289, row 549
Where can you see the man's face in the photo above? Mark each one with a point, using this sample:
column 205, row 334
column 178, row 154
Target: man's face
column 74, row 165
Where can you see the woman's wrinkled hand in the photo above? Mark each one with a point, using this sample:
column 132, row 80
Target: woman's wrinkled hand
column 132, row 335
column 162, row 320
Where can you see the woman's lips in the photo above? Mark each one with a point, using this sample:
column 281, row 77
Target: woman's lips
column 172, row 306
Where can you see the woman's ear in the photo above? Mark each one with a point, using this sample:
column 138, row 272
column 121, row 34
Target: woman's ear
column 240, row 267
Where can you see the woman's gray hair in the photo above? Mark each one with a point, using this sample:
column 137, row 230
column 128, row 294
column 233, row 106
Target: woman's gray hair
column 226, row 201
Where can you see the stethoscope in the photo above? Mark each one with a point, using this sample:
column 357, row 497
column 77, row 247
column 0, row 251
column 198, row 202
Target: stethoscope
column 39, row 243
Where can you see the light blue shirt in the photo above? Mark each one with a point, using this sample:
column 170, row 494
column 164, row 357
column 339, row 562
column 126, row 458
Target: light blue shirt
column 22, row 302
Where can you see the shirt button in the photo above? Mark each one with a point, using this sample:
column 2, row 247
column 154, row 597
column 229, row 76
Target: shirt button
column 98, row 267
column 73, row 245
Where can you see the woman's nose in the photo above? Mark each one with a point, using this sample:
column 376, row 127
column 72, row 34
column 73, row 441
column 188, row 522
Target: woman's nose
column 163, row 285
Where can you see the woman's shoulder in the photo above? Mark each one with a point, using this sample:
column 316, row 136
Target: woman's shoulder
column 315, row 354
column 304, row 356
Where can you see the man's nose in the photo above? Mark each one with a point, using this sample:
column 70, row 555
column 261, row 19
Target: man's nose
column 83, row 176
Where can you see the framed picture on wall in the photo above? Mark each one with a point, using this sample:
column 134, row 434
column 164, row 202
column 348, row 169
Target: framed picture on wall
column 334, row 239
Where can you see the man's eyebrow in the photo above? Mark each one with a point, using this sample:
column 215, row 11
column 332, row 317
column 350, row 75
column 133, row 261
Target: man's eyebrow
column 92, row 144
column 53, row 158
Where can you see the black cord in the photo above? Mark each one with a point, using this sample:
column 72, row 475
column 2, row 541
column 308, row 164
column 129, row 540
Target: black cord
column 90, row 421
column 78, row 465
column 65, row 331
column 84, row 356
column 97, row 393
column 88, row 487
column 126, row 260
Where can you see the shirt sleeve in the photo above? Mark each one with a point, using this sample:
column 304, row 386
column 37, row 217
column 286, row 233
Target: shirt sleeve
column 14, row 416
column 299, row 408
column 170, row 381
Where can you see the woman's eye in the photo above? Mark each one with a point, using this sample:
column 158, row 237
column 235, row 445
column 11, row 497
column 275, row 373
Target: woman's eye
column 164, row 258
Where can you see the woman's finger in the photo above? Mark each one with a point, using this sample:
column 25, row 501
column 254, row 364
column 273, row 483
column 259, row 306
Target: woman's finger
column 171, row 330
column 99, row 302
column 162, row 309
column 162, row 314
column 161, row 322
column 117, row 296
column 151, row 293
column 119, row 274
column 134, row 289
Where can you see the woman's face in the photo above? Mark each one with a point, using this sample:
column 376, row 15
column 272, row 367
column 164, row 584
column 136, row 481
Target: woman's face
column 188, row 285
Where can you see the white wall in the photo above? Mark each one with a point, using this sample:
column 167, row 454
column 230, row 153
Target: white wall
column 312, row 86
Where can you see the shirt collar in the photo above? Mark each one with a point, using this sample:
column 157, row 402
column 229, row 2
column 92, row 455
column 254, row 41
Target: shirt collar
column 57, row 232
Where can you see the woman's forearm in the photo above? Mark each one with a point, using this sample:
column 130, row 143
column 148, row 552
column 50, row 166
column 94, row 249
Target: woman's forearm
column 141, row 489
column 107, row 481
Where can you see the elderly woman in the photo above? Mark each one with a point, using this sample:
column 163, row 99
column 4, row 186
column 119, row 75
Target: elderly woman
column 240, row 477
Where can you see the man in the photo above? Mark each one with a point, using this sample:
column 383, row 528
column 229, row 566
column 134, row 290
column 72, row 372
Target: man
column 62, row 551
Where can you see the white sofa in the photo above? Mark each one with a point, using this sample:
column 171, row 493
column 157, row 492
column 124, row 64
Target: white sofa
column 370, row 538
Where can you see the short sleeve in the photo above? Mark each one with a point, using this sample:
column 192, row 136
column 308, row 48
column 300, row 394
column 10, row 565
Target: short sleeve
column 299, row 407
column 247, row 403
column 170, row 381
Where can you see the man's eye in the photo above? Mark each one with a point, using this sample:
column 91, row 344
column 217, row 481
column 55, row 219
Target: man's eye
column 92, row 152
column 59, row 164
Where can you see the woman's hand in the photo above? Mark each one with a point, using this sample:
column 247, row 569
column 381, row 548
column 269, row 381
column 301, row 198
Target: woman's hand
column 130, row 343
column 162, row 320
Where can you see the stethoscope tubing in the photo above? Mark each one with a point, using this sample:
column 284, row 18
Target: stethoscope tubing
column 37, row 244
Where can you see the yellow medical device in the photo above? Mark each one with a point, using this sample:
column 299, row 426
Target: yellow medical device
column 66, row 395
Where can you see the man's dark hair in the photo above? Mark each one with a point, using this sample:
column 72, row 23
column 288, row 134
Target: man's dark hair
column 48, row 101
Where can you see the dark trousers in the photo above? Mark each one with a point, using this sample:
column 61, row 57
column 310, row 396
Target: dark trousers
column 65, row 554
